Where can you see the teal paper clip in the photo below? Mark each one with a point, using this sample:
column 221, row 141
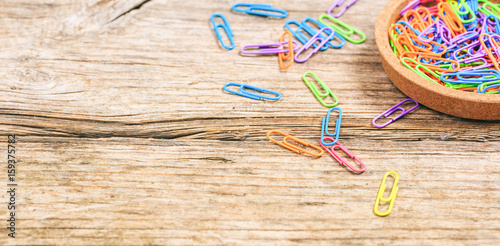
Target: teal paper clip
column 324, row 127
column 343, row 29
column 245, row 93
column 259, row 9
column 226, row 28
column 320, row 96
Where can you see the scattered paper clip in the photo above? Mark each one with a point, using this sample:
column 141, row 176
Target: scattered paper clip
column 341, row 160
column 294, row 148
column 324, row 127
column 226, row 28
column 337, row 4
column 259, row 9
column 343, row 29
column 281, row 56
column 311, row 31
column 393, row 109
column 391, row 198
column 310, row 43
column 266, row 49
column 297, row 33
column 245, row 93
column 318, row 94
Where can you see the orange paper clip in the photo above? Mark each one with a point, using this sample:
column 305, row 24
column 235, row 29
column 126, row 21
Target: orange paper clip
column 281, row 56
column 294, row 148
column 451, row 19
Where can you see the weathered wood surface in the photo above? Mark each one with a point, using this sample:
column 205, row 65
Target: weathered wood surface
column 126, row 138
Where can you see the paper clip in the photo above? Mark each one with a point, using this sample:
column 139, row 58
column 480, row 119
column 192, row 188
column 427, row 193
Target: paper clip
column 324, row 127
column 300, row 36
column 294, row 148
column 259, row 9
column 281, row 56
column 337, row 4
column 341, row 160
column 343, row 29
column 312, row 32
column 392, row 110
column 226, row 28
column 392, row 197
column 318, row 94
column 250, row 95
column 310, row 43
column 266, row 49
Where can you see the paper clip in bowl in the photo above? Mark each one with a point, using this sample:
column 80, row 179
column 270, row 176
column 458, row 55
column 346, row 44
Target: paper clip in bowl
column 317, row 93
column 294, row 148
column 392, row 196
column 393, row 109
column 281, row 56
column 226, row 28
column 324, row 127
column 312, row 41
column 259, row 9
column 245, row 93
column 337, row 4
column 341, row 160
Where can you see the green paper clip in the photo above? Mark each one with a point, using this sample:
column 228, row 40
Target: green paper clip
column 343, row 29
column 320, row 96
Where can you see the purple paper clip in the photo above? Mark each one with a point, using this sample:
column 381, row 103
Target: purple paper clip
column 312, row 41
column 266, row 49
column 412, row 5
column 337, row 4
column 392, row 110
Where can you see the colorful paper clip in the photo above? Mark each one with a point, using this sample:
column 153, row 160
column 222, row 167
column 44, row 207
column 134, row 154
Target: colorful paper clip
column 310, row 43
column 318, row 94
column 259, row 9
column 226, row 28
column 392, row 110
column 311, row 31
column 324, row 127
column 250, row 95
column 266, row 49
column 281, row 56
column 297, row 33
column 343, row 29
column 337, row 4
column 341, row 160
column 294, row 148
column 391, row 198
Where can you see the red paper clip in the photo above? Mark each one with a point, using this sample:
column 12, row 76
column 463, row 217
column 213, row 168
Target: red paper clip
column 341, row 160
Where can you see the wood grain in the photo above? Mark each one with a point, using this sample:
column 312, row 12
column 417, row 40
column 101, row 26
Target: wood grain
column 126, row 137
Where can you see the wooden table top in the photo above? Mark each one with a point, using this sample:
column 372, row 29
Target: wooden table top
column 125, row 137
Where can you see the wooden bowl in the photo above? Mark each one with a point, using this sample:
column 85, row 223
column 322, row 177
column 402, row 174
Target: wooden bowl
column 446, row 100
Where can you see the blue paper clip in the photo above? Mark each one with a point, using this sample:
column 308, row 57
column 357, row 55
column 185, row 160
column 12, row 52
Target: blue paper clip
column 298, row 34
column 320, row 25
column 474, row 77
column 226, row 28
column 393, row 109
column 259, row 9
column 245, row 93
column 324, row 127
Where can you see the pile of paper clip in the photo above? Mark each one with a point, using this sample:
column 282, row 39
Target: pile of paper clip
column 325, row 32
column 452, row 43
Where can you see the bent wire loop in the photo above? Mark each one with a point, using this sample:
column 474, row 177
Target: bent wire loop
column 245, row 93
column 297, row 33
column 393, row 109
column 343, row 29
column 281, row 56
column 259, row 9
column 341, row 160
column 337, row 4
column 311, row 31
column 294, row 148
column 226, row 28
column 310, row 43
column 320, row 96
column 324, row 127
column 392, row 196
column 265, row 49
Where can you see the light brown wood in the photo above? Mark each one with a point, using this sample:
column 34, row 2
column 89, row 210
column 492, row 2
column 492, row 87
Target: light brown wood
column 126, row 137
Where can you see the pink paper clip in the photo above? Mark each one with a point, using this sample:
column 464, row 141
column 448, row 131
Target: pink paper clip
column 311, row 41
column 341, row 160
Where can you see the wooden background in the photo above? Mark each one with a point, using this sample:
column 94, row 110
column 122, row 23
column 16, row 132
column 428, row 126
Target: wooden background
column 126, row 137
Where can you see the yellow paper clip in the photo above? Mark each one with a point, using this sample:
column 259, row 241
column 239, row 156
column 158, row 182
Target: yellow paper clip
column 392, row 197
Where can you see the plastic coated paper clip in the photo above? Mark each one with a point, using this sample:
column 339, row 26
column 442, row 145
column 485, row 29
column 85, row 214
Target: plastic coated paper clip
column 317, row 37
column 226, row 28
column 259, row 9
column 245, row 93
column 324, row 127
column 320, row 96
column 392, row 197
column 281, row 56
column 294, row 148
column 265, row 49
column 337, row 4
column 341, row 160
column 392, row 110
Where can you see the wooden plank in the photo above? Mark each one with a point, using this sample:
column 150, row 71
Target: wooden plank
column 126, row 137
